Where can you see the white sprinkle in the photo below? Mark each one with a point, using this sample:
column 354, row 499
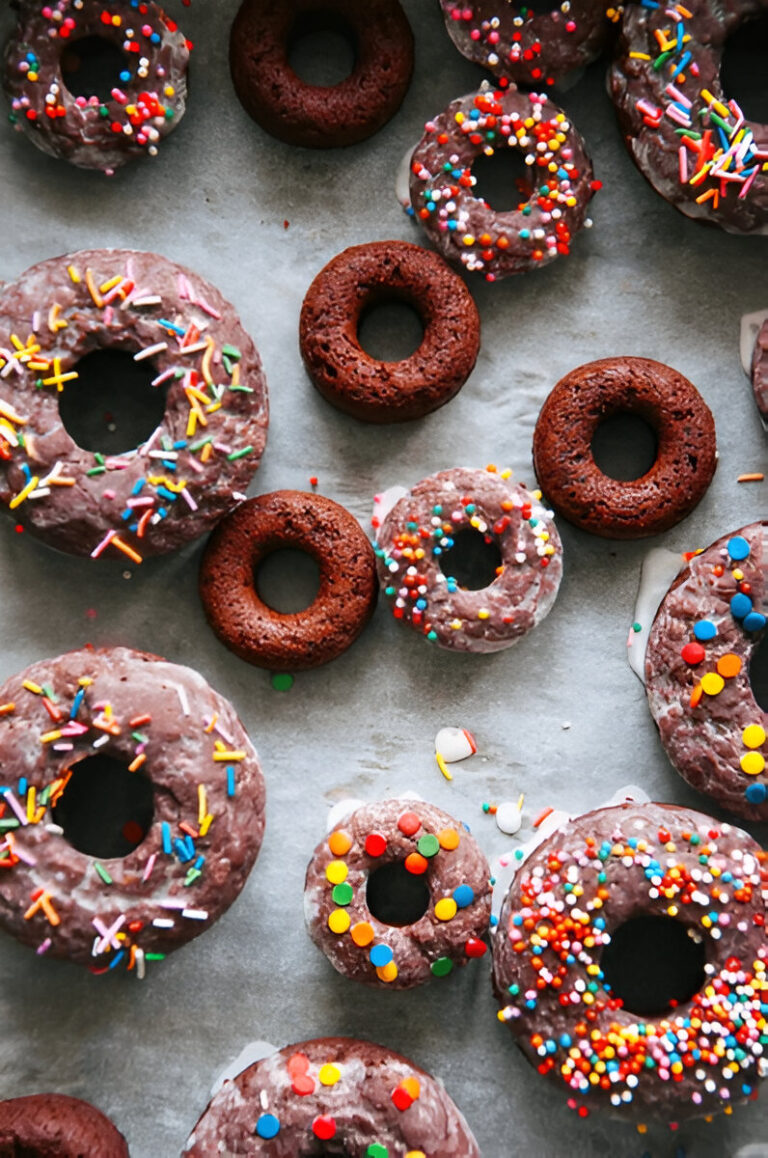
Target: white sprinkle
column 195, row 914
column 163, row 923
column 150, row 351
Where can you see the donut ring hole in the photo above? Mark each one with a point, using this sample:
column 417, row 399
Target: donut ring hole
column 287, row 580
column 390, row 327
column 624, row 446
column 474, row 560
column 503, row 181
column 654, row 964
column 112, row 406
column 322, row 49
column 105, row 810
column 758, row 672
column 396, row 896
column 743, row 68
column 92, row 66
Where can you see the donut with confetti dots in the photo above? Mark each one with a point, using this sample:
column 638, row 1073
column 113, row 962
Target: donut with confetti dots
column 41, row 1124
column 551, row 194
column 186, row 355
column 706, row 631
column 94, row 130
column 333, row 1095
column 468, row 559
column 131, row 808
column 398, row 893
column 687, row 137
column 629, row 962
column 759, row 369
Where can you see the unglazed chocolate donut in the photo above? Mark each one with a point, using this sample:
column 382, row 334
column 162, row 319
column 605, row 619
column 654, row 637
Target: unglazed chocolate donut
column 619, row 880
column 429, row 864
column 686, row 137
column 139, row 889
column 553, row 204
column 57, row 1126
column 686, row 454
column 697, row 671
column 191, row 470
column 334, row 1095
column 146, row 104
column 529, row 47
column 317, row 116
column 760, row 371
column 378, row 391
column 415, row 535
column 345, row 599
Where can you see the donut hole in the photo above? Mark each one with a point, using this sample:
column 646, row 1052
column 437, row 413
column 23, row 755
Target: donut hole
column 653, row 964
column 624, row 446
column 287, row 580
column 390, row 329
column 112, row 406
column 395, row 896
column 92, row 66
column 744, row 67
column 758, row 672
column 502, row 180
column 322, row 49
column 473, row 561
column 105, row 810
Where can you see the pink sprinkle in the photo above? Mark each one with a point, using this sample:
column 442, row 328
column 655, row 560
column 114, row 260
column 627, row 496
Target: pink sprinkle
column 110, row 494
column 22, row 855
column 11, row 799
column 203, row 304
column 103, row 544
column 158, row 381
column 188, row 499
column 150, row 866
column 44, row 947
column 683, row 155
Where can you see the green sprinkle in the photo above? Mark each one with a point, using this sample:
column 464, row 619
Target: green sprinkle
column 637, row 626
column 139, row 737
column 6, row 825
column 99, row 457
column 660, row 61
column 194, row 446
column 242, row 389
column 191, row 877
column 282, row 681
column 239, row 454
column 154, row 956
column 102, row 873
column 96, row 470
column 442, row 967
column 231, row 352
column 342, row 894
column 428, row 845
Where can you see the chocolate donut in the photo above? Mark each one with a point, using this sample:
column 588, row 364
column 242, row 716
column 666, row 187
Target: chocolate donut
column 160, row 317
column 760, row 371
column 361, row 278
column 57, row 1126
column 345, row 599
column 630, row 962
column 146, row 102
column 397, row 893
column 692, row 143
column 317, row 116
column 553, row 201
column 686, row 454
column 697, row 662
column 334, row 1095
column 417, row 573
column 514, row 42
column 132, row 808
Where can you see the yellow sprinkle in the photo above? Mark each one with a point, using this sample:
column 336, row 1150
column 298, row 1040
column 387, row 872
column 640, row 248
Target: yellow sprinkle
column 468, row 239
column 50, row 737
column 192, row 424
column 336, row 872
column 85, row 681
column 443, row 766
column 214, row 406
column 753, row 736
column 752, row 763
column 455, row 624
column 328, row 1075
column 109, row 285
column 7, row 709
column 202, row 806
column 18, row 499
column 74, row 275
column 206, row 824
column 446, row 909
column 483, row 613
column 712, row 683
column 338, row 921
column 31, row 793
column 459, row 118
column 639, row 56
column 387, row 972
column 206, row 452
column 30, row 687
column 205, row 365
column 227, row 755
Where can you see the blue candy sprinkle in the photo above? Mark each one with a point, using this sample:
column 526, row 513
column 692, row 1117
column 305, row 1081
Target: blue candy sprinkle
column 463, row 895
column 381, row 955
column 267, row 1126
column 704, row 630
column 741, row 605
column 738, row 547
column 756, row 793
column 754, row 621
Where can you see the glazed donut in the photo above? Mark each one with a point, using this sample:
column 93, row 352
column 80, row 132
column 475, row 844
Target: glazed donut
column 686, row 137
column 345, row 599
column 760, row 371
column 464, row 228
column 191, row 470
column 379, row 391
column 697, row 671
column 414, row 537
column 148, row 99
column 686, row 454
column 341, row 1095
column 517, row 43
column 657, row 903
column 110, row 870
column 398, row 892
column 317, row 116
column 42, row 1125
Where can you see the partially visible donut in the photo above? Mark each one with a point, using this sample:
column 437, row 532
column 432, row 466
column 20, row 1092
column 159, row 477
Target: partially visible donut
column 414, row 537
column 663, row 886
column 148, row 99
column 333, row 1095
column 317, row 116
column 686, row 454
column 201, row 456
column 423, row 861
column 760, row 371
column 155, row 873
column 553, row 200
column 383, row 391
column 705, row 633
column 57, row 1126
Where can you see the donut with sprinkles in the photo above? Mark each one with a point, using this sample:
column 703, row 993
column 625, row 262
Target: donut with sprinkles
column 48, row 1124
column 759, row 370
column 189, row 341
column 687, row 137
column 131, row 808
column 333, row 1095
column 414, row 550
column 147, row 100
column 553, row 192
column 705, row 633
column 576, row 948
column 398, row 893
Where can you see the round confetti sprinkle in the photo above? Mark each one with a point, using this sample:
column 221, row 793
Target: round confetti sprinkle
column 324, row 1128
column 375, row 844
column 449, row 839
column 339, row 842
column 338, row 921
column 441, row 967
column 704, row 630
column 474, row 947
column 342, row 894
column 415, row 863
column 738, row 548
column 712, row 683
column 362, row 933
column 428, row 845
column 376, row 1150
column 328, row 1075
column 282, row 681
column 756, row 793
column 752, row 763
column 693, row 653
column 381, row 955
column 741, row 605
column 409, row 823
column 387, row 972
column 336, row 872
column 463, row 895
column 267, row 1126
column 753, row 736
column 729, row 665
column 446, row 909
column 755, row 621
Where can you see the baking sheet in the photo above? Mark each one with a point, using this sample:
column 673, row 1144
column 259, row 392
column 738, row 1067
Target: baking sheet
column 561, row 717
